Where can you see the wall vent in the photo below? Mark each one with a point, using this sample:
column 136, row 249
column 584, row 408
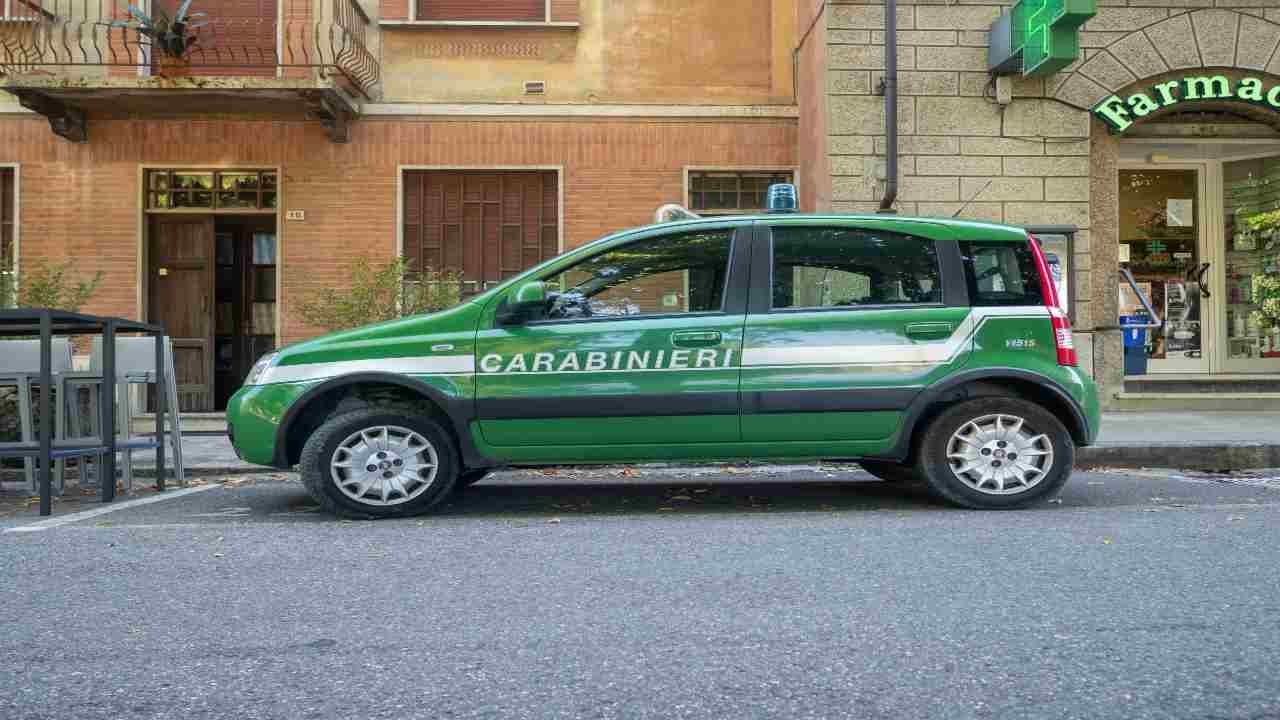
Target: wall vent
column 535, row 87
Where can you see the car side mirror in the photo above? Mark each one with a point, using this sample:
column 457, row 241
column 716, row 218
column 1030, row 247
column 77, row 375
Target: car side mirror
column 524, row 304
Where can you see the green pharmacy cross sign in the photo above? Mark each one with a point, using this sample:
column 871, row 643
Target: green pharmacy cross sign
column 1038, row 37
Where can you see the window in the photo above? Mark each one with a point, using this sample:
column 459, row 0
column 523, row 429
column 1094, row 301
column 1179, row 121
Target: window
column 223, row 190
column 488, row 11
column 658, row 276
column 846, row 267
column 1001, row 273
column 731, row 193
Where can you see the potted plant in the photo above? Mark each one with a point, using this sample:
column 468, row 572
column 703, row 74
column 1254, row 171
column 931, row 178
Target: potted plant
column 174, row 37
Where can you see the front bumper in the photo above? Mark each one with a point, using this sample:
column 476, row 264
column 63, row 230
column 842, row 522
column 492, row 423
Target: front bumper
column 254, row 415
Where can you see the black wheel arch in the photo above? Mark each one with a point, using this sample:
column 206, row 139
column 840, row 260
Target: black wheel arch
column 306, row 413
column 984, row 382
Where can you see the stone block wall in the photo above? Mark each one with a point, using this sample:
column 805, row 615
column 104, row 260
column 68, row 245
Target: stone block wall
column 1039, row 159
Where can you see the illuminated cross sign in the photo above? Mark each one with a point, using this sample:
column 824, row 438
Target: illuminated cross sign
column 1038, row 37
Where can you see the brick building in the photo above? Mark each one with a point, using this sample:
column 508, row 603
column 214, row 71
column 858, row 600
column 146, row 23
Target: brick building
column 217, row 190
column 1178, row 188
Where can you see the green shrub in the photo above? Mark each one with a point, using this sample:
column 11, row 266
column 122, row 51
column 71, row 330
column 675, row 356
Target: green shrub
column 380, row 293
column 46, row 286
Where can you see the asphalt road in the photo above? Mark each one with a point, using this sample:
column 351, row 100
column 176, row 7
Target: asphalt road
column 664, row 595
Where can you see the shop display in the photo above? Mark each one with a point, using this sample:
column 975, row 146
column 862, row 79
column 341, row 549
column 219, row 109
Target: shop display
column 1252, row 205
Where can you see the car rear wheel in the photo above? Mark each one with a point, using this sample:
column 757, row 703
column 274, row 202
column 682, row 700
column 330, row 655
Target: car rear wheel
column 379, row 462
column 996, row 453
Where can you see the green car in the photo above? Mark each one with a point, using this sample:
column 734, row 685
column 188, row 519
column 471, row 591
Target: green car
column 923, row 348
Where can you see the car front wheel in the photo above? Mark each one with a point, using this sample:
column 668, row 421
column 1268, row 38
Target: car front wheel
column 996, row 453
column 379, row 462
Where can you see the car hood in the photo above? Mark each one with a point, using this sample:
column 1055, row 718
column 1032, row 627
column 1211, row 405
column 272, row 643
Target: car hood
column 409, row 337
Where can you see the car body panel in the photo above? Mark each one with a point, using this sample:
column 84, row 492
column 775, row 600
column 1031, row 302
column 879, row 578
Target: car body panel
column 855, row 386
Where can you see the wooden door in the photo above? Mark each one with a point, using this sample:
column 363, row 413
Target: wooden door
column 489, row 225
column 245, row 292
column 182, row 267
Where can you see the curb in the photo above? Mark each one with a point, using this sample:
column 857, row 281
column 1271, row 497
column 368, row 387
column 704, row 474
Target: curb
column 1207, row 458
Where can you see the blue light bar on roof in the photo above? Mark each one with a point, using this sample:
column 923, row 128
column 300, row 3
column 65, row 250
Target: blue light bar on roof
column 781, row 198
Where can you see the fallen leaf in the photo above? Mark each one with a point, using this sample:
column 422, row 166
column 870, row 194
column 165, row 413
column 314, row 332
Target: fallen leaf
column 550, row 471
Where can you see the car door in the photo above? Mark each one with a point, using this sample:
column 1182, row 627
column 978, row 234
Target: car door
column 639, row 347
column 854, row 320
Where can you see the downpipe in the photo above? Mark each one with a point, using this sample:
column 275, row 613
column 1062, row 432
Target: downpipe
column 889, row 88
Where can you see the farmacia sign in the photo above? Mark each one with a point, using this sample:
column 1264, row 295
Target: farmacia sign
column 1120, row 114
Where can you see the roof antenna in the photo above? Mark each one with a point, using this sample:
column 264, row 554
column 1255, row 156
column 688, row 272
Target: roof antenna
column 975, row 197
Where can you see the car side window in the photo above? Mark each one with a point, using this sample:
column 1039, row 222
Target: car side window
column 1001, row 273
column 825, row 267
column 667, row 275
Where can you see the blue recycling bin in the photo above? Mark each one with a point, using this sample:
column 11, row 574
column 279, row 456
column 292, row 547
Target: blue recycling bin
column 1135, row 344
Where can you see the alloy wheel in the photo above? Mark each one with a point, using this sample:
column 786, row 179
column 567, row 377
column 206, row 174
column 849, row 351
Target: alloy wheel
column 999, row 454
column 384, row 465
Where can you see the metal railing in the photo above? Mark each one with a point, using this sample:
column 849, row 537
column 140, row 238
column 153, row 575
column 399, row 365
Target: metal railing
column 325, row 35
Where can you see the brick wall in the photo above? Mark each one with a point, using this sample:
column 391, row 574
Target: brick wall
column 83, row 200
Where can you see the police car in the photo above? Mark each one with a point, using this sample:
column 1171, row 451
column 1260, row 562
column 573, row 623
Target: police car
column 926, row 349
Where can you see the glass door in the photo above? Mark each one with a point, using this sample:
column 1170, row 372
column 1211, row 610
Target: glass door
column 1161, row 242
column 1251, row 258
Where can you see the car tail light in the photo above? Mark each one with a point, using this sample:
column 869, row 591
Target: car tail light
column 1063, row 340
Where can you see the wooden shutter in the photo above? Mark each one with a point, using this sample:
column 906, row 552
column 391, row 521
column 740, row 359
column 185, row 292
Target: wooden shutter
column 489, row 225
column 474, row 10
column 564, row 10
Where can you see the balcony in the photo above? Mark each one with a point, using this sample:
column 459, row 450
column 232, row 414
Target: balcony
column 71, row 59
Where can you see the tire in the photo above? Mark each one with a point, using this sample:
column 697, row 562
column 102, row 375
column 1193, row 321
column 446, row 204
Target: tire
column 890, row 471
column 409, row 441
column 965, row 436
column 471, row 477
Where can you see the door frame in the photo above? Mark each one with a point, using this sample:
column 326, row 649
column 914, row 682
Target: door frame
column 1225, row 365
column 17, row 216
column 1209, row 206
column 144, row 240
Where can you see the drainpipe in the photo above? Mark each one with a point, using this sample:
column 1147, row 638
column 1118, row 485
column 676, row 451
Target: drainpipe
column 889, row 86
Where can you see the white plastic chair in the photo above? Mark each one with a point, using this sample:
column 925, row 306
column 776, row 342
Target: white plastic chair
column 20, row 369
column 135, row 365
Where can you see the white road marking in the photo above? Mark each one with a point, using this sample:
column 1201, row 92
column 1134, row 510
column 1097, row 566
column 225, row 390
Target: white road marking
column 54, row 522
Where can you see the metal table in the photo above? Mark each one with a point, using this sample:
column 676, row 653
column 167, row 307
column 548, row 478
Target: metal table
column 46, row 323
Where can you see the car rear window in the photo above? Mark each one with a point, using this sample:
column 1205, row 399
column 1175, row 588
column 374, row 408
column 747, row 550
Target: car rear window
column 1001, row 273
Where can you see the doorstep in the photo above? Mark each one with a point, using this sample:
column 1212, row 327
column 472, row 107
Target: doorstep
column 212, row 422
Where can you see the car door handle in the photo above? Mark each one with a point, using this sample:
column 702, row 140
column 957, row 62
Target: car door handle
column 696, row 338
column 929, row 329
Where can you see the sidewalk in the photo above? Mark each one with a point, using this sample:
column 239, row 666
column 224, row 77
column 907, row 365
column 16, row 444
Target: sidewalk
column 1187, row 440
